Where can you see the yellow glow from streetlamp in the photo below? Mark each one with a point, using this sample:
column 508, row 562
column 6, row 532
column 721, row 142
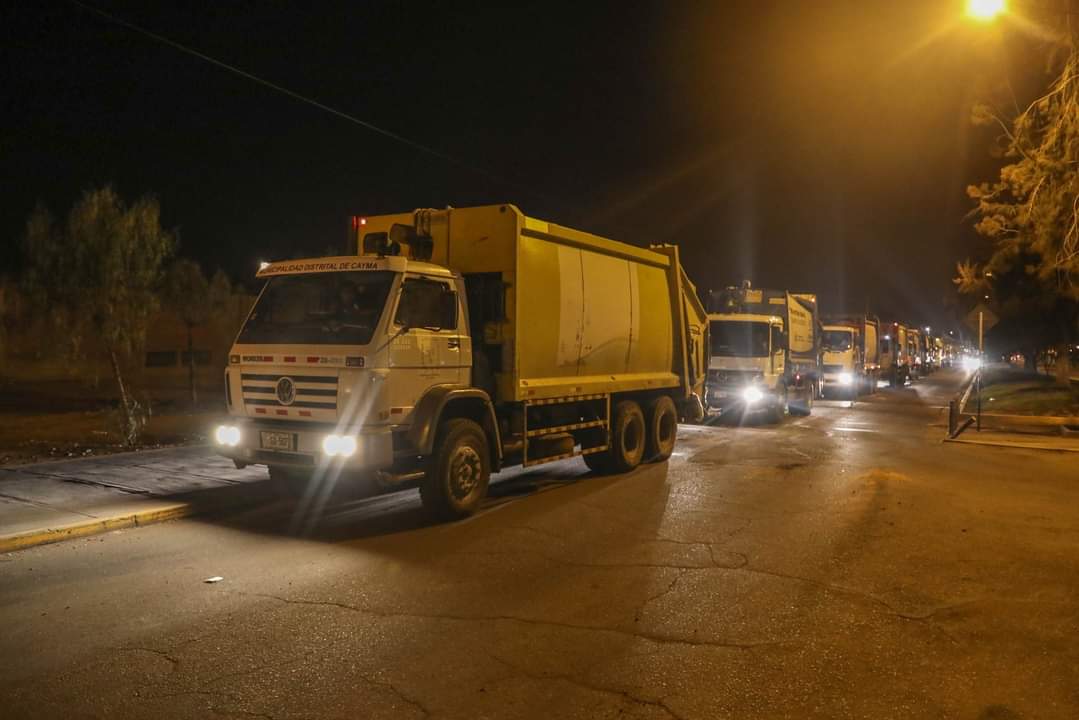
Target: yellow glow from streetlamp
column 985, row 10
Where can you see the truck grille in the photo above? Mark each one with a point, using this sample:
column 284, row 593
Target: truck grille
column 731, row 377
column 301, row 391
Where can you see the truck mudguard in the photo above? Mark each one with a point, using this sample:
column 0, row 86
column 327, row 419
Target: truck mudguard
column 431, row 408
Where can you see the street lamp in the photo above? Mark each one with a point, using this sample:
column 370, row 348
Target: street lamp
column 985, row 10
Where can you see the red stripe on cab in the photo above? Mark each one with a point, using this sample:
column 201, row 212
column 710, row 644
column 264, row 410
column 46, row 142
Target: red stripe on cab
column 305, row 413
column 282, row 412
column 260, row 411
column 290, row 358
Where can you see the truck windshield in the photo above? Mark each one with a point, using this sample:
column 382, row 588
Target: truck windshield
column 334, row 308
column 733, row 338
column 836, row 340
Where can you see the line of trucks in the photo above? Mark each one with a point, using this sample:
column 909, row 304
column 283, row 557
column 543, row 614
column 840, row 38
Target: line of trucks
column 455, row 343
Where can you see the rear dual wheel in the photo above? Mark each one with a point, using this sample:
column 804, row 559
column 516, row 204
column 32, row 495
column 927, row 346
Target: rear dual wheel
column 662, row 419
column 627, row 441
column 804, row 405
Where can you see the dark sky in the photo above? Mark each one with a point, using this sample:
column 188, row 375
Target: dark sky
column 821, row 146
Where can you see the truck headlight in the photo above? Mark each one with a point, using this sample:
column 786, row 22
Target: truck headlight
column 228, row 435
column 339, row 445
column 846, row 378
column 752, row 394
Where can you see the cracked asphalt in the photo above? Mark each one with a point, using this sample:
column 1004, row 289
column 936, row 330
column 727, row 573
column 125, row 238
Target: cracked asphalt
column 846, row 565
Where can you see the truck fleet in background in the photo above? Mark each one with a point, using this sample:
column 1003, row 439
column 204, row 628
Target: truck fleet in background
column 449, row 344
column 773, row 352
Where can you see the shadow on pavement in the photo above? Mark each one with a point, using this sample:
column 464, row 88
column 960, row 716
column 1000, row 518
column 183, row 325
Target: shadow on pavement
column 356, row 508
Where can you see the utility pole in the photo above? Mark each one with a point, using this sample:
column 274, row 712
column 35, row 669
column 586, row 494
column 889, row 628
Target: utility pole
column 981, row 333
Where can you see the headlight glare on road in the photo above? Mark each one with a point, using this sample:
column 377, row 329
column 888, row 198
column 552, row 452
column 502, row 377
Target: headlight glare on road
column 339, row 445
column 846, row 378
column 752, row 394
column 972, row 363
column 228, row 435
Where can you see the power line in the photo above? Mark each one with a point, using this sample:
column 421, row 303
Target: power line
column 302, row 98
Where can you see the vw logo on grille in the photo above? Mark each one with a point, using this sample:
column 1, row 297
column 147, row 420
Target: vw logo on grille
column 286, row 391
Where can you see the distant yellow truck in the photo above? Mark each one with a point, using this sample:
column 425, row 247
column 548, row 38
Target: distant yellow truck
column 457, row 342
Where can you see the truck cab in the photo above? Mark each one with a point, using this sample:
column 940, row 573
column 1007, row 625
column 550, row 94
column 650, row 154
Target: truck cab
column 894, row 357
column 307, row 375
column 747, row 366
column 844, row 367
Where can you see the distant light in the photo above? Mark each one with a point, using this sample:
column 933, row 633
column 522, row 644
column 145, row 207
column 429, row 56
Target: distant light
column 363, row 221
column 985, row 10
column 927, row 328
column 986, row 297
column 263, row 265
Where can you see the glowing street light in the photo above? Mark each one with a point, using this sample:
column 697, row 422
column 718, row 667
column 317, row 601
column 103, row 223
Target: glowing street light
column 985, row 10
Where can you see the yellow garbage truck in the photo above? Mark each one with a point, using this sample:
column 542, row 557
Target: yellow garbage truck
column 458, row 342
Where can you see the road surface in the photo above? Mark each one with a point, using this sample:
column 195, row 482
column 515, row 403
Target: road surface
column 839, row 566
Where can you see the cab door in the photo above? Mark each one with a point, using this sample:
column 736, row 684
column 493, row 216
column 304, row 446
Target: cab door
column 427, row 345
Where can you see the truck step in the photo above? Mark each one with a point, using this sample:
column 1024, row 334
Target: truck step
column 563, row 456
column 566, row 428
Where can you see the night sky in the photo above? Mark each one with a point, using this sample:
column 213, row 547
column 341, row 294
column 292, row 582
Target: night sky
column 820, row 146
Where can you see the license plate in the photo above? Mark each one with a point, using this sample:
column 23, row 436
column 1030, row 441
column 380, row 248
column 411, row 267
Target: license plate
column 276, row 440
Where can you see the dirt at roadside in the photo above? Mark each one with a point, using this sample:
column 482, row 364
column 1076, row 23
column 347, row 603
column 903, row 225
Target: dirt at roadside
column 43, row 422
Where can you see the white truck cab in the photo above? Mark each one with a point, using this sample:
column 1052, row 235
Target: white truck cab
column 842, row 359
column 747, row 365
column 307, row 374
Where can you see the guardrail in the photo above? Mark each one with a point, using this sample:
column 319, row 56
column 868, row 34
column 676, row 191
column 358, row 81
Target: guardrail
column 957, row 408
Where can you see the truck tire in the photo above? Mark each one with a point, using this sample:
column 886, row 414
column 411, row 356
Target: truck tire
column 803, row 406
column 627, row 442
column 662, row 420
column 458, row 471
column 775, row 413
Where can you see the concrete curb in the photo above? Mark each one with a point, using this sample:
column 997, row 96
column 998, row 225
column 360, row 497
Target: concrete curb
column 96, row 526
column 1013, row 445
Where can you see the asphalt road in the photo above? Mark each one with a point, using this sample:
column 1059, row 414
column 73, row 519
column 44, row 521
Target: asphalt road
column 843, row 565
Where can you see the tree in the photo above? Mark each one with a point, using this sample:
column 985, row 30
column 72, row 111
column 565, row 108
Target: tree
column 1033, row 315
column 47, row 259
column 1031, row 213
column 102, row 269
column 194, row 300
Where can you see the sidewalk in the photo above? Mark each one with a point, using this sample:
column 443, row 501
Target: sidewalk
column 1025, row 441
column 51, row 501
column 1030, row 432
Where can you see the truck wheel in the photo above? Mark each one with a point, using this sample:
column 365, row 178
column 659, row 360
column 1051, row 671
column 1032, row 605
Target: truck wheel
column 662, row 429
column 458, row 472
column 627, row 441
column 779, row 407
column 803, row 406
